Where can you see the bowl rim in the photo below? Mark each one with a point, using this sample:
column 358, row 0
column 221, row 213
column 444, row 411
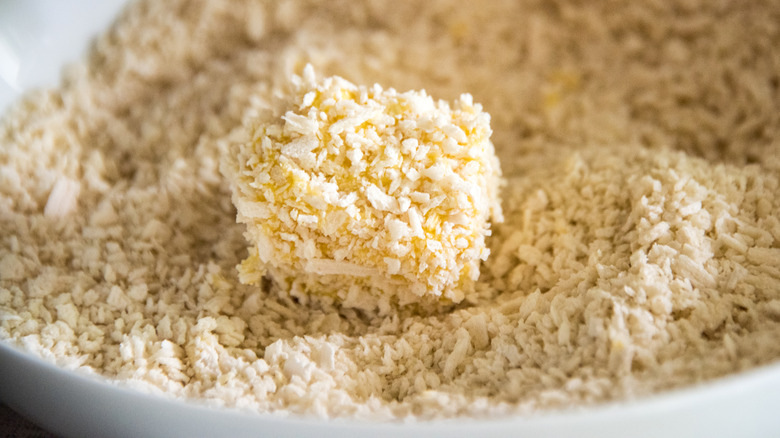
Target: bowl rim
column 591, row 420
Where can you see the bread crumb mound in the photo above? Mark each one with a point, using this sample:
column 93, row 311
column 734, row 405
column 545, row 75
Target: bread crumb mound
column 639, row 251
column 372, row 196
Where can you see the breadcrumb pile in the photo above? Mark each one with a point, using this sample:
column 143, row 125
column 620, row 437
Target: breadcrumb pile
column 371, row 196
column 640, row 248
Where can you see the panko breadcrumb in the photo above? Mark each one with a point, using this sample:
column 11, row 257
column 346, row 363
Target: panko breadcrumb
column 640, row 248
column 375, row 197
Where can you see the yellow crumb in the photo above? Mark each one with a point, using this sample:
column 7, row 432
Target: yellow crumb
column 368, row 195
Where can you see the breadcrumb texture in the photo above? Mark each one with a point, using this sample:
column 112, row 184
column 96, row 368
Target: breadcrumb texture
column 373, row 197
column 640, row 250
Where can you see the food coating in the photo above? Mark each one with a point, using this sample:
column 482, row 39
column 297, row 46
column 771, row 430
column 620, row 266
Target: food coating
column 374, row 197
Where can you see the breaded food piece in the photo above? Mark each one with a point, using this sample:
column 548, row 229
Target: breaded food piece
column 373, row 197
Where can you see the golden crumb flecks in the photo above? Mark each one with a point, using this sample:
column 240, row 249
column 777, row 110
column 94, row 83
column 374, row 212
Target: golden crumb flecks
column 372, row 196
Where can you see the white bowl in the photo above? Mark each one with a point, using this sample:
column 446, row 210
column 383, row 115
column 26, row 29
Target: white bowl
column 77, row 405
column 37, row 37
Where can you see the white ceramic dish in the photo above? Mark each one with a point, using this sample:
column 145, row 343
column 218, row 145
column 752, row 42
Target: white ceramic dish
column 36, row 38
column 76, row 405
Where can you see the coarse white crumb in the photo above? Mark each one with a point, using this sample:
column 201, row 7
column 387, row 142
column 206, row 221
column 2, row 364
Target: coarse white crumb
column 639, row 141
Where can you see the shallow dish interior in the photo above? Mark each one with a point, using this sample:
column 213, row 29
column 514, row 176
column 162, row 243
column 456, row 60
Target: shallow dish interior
column 37, row 38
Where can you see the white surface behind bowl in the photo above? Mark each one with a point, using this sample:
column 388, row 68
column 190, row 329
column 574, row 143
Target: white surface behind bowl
column 37, row 37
